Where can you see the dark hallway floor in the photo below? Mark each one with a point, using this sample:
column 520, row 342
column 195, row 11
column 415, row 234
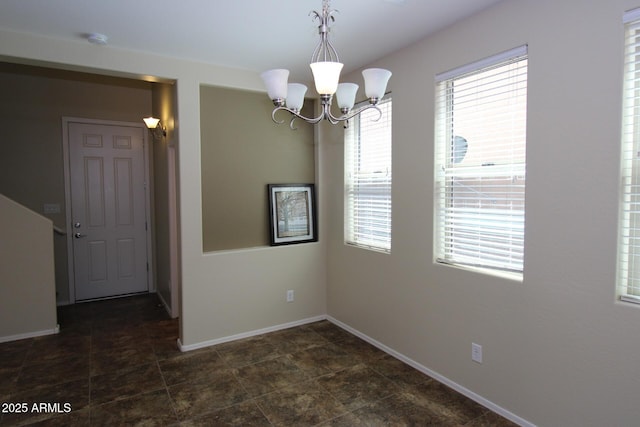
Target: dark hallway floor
column 116, row 363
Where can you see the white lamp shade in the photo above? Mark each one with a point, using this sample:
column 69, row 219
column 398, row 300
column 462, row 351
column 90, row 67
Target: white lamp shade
column 346, row 95
column 375, row 82
column 276, row 83
column 295, row 96
column 151, row 122
column 326, row 75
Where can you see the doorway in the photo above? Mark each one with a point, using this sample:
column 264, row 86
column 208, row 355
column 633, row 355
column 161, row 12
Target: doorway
column 108, row 208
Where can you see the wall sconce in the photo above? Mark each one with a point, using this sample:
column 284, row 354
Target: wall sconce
column 156, row 128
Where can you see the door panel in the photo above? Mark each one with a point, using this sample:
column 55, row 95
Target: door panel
column 125, row 249
column 94, row 191
column 125, row 209
column 108, row 209
column 97, row 252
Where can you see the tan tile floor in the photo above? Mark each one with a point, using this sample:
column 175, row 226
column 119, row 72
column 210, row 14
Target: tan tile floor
column 115, row 363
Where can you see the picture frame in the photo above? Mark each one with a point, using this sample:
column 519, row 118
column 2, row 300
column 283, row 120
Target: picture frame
column 292, row 214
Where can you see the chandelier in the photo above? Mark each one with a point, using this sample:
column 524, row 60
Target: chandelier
column 326, row 67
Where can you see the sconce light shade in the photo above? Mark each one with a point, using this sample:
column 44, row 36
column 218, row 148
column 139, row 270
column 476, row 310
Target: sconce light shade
column 346, row 95
column 155, row 127
column 295, row 96
column 151, row 122
column 375, row 82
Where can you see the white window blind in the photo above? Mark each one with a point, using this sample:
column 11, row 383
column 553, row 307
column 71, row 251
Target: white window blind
column 629, row 241
column 368, row 179
column 480, row 163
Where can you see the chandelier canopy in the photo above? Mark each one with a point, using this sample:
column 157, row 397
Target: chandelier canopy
column 326, row 67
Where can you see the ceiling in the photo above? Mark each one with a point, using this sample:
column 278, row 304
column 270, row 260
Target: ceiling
column 247, row 34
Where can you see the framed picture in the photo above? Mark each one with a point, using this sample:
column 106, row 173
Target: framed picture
column 292, row 213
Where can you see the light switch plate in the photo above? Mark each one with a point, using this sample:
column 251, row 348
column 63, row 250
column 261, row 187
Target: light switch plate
column 51, row 208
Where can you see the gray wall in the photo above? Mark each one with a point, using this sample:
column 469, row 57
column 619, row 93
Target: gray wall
column 32, row 105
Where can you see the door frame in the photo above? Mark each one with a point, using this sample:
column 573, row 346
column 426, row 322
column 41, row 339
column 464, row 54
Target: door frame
column 67, row 195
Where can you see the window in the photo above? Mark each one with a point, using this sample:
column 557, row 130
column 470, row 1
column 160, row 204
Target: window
column 629, row 241
column 368, row 179
column 480, row 163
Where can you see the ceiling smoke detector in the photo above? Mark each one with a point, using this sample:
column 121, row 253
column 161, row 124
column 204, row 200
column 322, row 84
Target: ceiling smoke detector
column 97, row 38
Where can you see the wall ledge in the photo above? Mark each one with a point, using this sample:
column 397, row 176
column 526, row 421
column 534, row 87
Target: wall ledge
column 264, row 248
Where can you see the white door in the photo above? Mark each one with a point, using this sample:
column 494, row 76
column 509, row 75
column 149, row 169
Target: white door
column 108, row 210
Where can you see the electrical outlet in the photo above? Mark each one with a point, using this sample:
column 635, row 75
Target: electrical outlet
column 290, row 295
column 476, row 352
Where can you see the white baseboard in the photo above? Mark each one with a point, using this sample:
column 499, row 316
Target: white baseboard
column 242, row 335
column 30, row 334
column 167, row 307
column 444, row 380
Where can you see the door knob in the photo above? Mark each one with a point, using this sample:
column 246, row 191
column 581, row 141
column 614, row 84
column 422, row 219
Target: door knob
column 79, row 235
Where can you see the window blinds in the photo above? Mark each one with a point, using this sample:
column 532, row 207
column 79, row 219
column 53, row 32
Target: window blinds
column 368, row 179
column 629, row 242
column 480, row 163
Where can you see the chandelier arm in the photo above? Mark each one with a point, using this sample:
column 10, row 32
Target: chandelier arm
column 296, row 115
column 362, row 109
column 273, row 116
column 332, row 119
column 325, row 114
column 335, row 120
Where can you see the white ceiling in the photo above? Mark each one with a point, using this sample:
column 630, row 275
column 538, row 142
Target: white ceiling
column 247, row 34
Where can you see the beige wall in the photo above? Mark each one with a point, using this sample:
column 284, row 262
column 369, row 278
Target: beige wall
column 242, row 152
column 32, row 105
column 27, row 283
column 558, row 349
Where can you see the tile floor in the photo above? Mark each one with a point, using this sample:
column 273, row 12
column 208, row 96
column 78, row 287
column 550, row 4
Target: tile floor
column 115, row 363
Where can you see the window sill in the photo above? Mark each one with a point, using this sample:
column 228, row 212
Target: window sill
column 368, row 248
column 514, row 276
column 630, row 298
